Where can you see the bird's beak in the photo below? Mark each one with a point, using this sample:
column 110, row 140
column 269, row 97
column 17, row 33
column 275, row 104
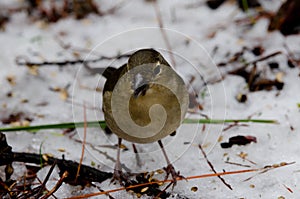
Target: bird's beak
column 141, row 90
column 140, row 85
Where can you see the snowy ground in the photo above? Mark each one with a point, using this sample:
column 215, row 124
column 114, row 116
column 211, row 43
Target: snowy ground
column 134, row 26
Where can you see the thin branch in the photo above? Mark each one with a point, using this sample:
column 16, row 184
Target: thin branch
column 57, row 185
column 22, row 61
column 43, row 185
column 244, row 158
column 255, row 61
column 238, row 164
column 234, row 125
column 163, row 191
column 213, row 169
column 83, row 142
column 87, row 173
column 163, row 32
column 269, row 168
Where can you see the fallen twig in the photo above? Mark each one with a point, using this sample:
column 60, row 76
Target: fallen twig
column 163, row 32
column 255, row 61
column 213, row 169
column 170, row 180
column 22, row 61
column 83, row 142
column 56, row 187
column 87, row 174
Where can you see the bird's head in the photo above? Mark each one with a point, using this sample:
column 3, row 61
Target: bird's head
column 145, row 56
column 148, row 66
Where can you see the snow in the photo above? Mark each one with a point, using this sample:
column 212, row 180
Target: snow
column 135, row 26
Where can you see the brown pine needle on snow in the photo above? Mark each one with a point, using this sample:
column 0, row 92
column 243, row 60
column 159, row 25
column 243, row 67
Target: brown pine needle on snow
column 264, row 169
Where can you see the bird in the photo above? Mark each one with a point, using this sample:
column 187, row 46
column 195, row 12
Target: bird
column 144, row 101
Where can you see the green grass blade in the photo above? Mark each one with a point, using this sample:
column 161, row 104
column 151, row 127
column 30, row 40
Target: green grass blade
column 218, row 121
column 103, row 125
column 68, row 125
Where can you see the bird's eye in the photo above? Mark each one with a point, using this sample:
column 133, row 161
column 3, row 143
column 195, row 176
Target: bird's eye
column 157, row 70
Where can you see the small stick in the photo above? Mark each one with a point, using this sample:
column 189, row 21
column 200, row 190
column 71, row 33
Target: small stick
column 162, row 191
column 289, row 189
column 255, row 61
column 83, row 142
column 234, row 125
column 163, row 32
column 58, row 184
column 244, row 158
column 43, row 185
column 67, row 62
column 238, row 164
column 212, row 167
